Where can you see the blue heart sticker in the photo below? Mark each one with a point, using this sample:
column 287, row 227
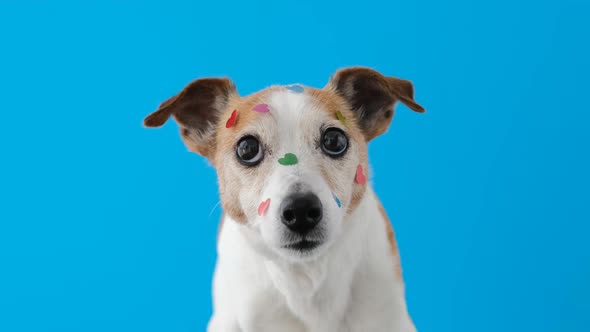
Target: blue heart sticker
column 295, row 88
column 337, row 200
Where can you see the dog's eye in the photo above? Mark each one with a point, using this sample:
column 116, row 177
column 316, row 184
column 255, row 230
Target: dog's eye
column 334, row 142
column 249, row 151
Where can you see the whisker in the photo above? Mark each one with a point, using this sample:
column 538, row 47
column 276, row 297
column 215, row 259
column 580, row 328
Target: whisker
column 215, row 207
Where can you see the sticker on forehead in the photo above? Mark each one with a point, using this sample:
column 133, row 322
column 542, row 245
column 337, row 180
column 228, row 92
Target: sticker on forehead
column 288, row 159
column 232, row 119
column 261, row 108
column 337, row 200
column 341, row 118
column 360, row 177
column 263, row 207
column 295, row 88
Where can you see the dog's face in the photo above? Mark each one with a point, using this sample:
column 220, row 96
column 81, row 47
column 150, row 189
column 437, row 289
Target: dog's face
column 300, row 158
column 291, row 161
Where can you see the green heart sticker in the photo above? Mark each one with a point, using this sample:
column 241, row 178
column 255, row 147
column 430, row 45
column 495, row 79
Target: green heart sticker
column 288, row 159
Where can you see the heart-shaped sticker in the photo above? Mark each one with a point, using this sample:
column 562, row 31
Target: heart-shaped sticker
column 295, row 88
column 261, row 108
column 232, row 119
column 360, row 177
column 263, row 207
column 337, row 200
column 341, row 117
column 288, row 159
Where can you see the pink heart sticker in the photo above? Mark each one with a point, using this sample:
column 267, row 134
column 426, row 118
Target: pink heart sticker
column 263, row 207
column 360, row 177
column 261, row 108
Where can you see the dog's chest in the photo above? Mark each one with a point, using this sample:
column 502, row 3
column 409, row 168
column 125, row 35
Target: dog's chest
column 316, row 294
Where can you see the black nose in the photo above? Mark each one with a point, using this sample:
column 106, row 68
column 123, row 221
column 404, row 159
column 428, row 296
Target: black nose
column 301, row 212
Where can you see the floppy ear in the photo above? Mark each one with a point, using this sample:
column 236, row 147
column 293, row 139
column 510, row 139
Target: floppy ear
column 372, row 97
column 197, row 109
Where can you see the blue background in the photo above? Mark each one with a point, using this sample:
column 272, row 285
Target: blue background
column 106, row 226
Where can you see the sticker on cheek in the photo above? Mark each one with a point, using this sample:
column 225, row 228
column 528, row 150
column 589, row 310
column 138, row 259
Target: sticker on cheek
column 360, row 177
column 288, row 159
column 295, row 88
column 337, row 200
column 341, row 117
column 232, row 119
column 261, row 108
column 263, row 207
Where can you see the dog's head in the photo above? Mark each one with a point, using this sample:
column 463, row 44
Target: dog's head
column 291, row 161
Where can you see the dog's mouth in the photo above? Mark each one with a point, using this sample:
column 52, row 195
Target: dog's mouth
column 303, row 245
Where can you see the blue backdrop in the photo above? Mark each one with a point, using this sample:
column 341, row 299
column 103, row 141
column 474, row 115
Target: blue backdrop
column 107, row 226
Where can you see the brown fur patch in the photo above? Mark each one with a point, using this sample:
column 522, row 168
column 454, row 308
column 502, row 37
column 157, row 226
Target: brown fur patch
column 226, row 138
column 380, row 126
column 333, row 103
column 391, row 240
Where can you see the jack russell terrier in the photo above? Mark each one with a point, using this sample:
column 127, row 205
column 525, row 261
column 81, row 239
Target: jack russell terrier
column 304, row 243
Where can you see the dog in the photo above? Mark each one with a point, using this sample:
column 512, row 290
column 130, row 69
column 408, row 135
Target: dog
column 304, row 242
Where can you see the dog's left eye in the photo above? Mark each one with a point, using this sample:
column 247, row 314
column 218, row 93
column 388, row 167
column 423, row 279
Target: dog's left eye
column 249, row 151
column 334, row 142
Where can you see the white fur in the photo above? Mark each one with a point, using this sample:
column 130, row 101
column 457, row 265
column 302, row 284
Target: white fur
column 351, row 287
column 348, row 284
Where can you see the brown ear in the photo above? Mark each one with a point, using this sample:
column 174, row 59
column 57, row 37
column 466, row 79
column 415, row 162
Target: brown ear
column 197, row 109
column 372, row 97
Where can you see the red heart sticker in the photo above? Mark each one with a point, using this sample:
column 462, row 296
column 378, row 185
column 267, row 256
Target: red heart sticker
column 360, row 177
column 263, row 207
column 232, row 119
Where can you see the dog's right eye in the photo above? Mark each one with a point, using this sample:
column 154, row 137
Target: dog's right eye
column 248, row 151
